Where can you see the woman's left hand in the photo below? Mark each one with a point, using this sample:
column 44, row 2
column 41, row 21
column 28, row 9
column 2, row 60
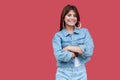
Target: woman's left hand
column 66, row 48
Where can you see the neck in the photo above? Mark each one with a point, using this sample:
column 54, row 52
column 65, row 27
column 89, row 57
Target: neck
column 70, row 29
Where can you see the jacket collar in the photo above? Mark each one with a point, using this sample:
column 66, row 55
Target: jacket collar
column 76, row 31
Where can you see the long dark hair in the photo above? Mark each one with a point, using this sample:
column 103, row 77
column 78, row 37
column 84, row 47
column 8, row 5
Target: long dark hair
column 65, row 10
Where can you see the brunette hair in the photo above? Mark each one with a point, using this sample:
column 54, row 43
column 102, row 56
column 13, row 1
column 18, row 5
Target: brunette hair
column 65, row 10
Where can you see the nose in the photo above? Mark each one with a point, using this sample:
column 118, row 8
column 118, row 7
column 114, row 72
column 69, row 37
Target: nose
column 72, row 17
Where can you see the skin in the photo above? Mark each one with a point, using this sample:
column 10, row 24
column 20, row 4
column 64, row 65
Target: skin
column 70, row 21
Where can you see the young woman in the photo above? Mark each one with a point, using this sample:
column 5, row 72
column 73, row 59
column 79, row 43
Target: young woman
column 72, row 46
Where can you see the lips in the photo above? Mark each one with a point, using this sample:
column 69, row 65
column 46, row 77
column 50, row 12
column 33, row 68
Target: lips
column 72, row 21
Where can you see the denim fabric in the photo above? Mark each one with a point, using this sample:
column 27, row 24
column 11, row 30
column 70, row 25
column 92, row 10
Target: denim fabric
column 71, row 73
column 66, row 69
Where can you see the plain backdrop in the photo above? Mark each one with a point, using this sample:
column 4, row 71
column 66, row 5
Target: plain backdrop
column 28, row 26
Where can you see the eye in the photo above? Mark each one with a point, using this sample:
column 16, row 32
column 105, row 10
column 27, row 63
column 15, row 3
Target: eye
column 69, row 15
column 75, row 15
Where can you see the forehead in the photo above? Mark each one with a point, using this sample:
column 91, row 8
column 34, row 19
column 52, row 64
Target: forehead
column 71, row 12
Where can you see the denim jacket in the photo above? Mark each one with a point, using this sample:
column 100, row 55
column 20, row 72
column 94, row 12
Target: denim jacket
column 80, row 37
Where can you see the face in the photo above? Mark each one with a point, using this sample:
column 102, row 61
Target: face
column 70, row 18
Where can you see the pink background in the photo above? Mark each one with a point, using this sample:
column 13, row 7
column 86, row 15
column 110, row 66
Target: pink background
column 27, row 28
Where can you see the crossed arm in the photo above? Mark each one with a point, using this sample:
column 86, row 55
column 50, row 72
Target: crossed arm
column 73, row 49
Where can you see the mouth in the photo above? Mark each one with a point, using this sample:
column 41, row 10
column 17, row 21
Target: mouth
column 72, row 21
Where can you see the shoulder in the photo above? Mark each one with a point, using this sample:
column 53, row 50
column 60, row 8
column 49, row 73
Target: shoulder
column 57, row 35
column 82, row 30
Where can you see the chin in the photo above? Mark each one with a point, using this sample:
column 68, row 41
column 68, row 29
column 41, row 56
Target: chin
column 72, row 25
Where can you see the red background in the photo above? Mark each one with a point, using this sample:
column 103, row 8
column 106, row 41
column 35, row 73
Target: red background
column 27, row 28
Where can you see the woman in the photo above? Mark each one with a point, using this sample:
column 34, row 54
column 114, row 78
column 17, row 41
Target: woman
column 72, row 46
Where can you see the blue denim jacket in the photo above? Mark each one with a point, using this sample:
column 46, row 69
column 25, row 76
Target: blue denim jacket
column 80, row 37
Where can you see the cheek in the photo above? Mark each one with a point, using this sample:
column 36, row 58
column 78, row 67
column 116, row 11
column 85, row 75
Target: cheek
column 66, row 19
column 76, row 19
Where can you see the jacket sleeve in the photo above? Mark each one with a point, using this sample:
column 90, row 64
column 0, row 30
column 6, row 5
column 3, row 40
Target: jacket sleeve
column 87, row 47
column 59, row 53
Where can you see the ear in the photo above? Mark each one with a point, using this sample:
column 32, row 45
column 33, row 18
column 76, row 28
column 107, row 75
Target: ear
column 80, row 25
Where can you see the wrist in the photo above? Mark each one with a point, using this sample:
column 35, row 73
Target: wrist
column 73, row 55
